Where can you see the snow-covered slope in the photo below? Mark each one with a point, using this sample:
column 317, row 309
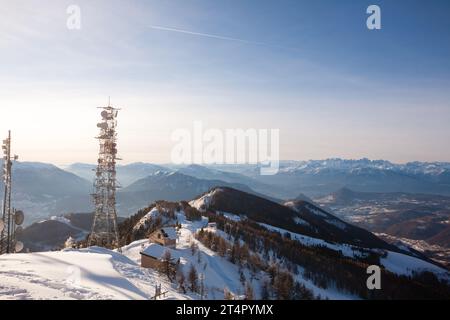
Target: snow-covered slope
column 296, row 216
column 94, row 273
column 395, row 262
column 315, row 268
column 98, row 273
column 203, row 203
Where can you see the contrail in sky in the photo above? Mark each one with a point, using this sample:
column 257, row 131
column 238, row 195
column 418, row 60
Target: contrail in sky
column 215, row 36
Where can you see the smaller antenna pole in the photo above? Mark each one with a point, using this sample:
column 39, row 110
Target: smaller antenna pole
column 5, row 238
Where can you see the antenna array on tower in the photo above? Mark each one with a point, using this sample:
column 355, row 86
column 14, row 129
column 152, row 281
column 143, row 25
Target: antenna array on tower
column 104, row 228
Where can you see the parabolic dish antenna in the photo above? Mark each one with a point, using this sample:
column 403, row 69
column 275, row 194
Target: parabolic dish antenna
column 19, row 230
column 19, row 217
column 19, row 246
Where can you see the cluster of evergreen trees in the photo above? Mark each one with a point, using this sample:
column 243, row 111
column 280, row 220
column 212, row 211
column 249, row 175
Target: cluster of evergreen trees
column 328, row 268
column 280, row 285
column 191, row 281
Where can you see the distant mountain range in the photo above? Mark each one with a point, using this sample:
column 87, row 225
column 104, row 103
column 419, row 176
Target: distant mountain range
column 126, row 174
column 170, row 186
column 320, row 177
column 313, row 178
column 42, row 190
column 129, row 174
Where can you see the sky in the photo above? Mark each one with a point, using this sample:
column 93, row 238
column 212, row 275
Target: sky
column 311, row 69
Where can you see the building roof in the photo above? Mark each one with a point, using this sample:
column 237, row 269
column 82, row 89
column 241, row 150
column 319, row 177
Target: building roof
column 157, row 251
column 170, row 232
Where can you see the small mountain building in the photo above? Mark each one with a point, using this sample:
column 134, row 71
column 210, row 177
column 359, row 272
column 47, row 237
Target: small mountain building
column 166, row 237
column 153, row 256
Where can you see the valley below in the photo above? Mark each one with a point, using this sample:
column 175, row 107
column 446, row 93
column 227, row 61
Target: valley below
column 419, row 221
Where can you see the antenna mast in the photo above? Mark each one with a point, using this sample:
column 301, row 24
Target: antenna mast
column 104, row 228
column 10, row 217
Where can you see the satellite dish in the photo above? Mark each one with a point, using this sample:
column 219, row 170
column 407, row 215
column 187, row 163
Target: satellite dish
column 102, row 125
column 19, row 246
column 2, row 225
column 19, row 217
column 19, row 230
column 105, row 115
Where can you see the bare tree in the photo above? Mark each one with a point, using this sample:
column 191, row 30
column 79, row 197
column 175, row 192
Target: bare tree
column 249, row 295
column 181, row 279
column 166, row 265
column 193, row 279
column 202, row 286
column 194, row 248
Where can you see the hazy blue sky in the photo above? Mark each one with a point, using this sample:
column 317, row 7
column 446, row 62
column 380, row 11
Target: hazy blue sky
column 310, row 68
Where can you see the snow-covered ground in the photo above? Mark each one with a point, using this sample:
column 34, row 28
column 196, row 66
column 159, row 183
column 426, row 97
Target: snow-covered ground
column 230, row 216
column 146, row 219
column 204, row 201
column 402, row 264
column 98, row 273
column 94, row 273
column 219, row 273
